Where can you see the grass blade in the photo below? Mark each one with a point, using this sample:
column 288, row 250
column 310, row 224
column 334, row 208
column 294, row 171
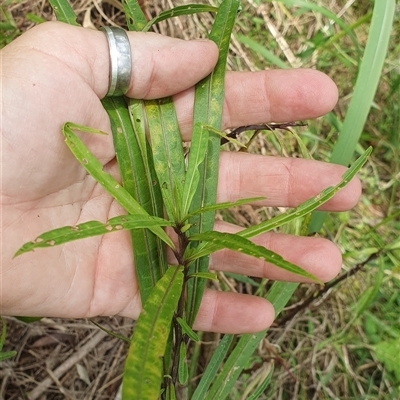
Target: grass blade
column 95, row 169
column 186, row 9
column 67, row 234
column 169, row 160
column 263, row 386
column 139, row 179
column 143, row 372
column 212, row 367
column 279, row 294
column 307, row 5
column 209, row 99
column 3, row 334
column 63, row 11
column 4, row 355
column 260, row 50
column 7, row 354
column 242, row 245
column 369, row 72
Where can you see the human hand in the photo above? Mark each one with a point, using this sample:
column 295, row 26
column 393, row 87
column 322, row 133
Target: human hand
column 57, row 73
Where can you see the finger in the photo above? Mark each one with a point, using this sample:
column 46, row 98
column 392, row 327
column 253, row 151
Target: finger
column 161, row 66
column 238, row 313
column 267, row 96
column 233, row 313
column 285, row 182
column 318, row 256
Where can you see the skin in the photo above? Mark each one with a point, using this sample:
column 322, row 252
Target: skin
column 56, row 73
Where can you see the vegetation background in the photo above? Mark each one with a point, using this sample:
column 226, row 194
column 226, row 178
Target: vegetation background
column 341, row 342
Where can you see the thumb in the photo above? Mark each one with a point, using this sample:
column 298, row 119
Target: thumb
column 161, row 66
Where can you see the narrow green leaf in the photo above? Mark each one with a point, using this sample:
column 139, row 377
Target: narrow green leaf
column 187, row 330
column 370, row 71
column 111, row 333
column 170, row 393
column 205, row 275
column 3, row 332
column 169, row 159
column 213, row 366
column 7, row 354
column 197, row 153
column 186, row 9
column 242, row 245
column 303, row 148
column 301, row 211
column 63, row 11
column 135, row 19
column 260, row 390
column 312, row 203
column 223, row 135
column 28, row 320
column 279, row 294
column 143, row 371
column 225, row 205
column 208, row 107
column 140, row 180
column 183, row 372
column 95, row 169
column 262, row 51
column 67, row 234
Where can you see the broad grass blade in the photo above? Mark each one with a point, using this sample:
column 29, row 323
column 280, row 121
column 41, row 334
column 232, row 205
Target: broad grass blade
column 288, row 216
column 209, row 99
column 169, row 160
column 95, row 169
column 63, row 11
column 143, row 372
column 364, row 91
column 135, row 19
column 67, row 234
column 279, row 294
column 242, row 245
column 187, row 9
column 139, row 179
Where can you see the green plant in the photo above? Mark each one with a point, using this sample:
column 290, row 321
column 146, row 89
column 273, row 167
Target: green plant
column 179, row 193
column 9, row 31
column 4, row 355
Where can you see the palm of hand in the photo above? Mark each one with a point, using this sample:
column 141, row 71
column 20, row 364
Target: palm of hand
column 44, row 187
column 93, row 276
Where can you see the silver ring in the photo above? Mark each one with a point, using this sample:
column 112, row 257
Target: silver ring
column 120, row 60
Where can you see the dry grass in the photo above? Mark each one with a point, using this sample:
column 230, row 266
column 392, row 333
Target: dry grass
column 73, row 359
